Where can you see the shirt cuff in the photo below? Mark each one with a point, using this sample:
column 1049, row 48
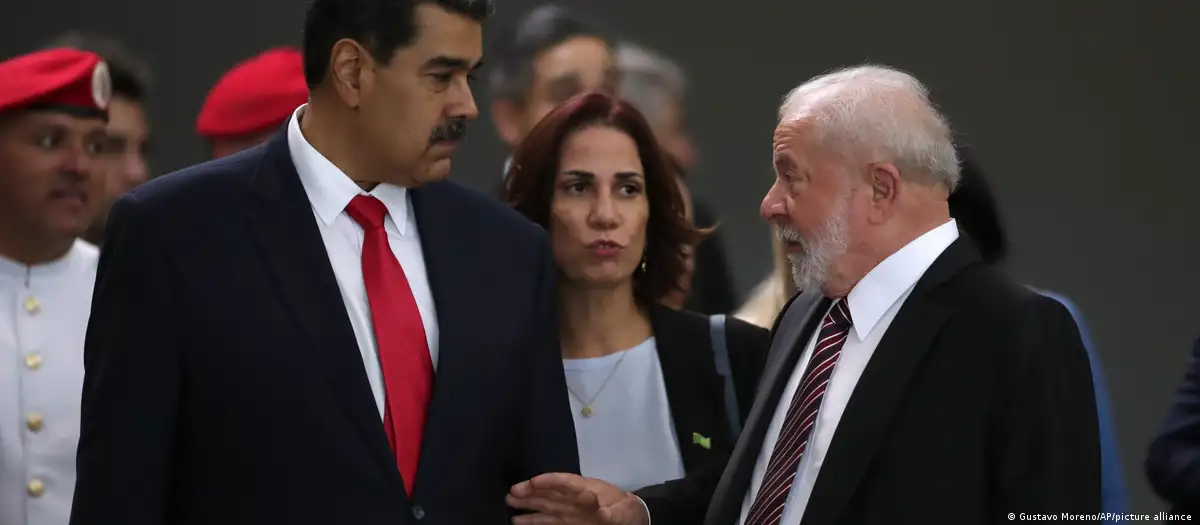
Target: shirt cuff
column 644, row 506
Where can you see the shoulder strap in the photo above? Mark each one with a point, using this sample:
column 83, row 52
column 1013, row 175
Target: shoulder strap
column 716, row 326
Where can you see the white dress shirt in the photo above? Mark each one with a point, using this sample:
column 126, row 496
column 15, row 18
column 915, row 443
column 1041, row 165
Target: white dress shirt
column 629, row 440
column 44, row 313
column 873, row 304
column 330, row 191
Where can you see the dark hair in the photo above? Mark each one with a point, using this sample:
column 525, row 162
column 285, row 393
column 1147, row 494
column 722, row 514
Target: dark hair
column 512, row 53
column 381, row 26
column 974, row 208
column 130, row 75
column 535, row 168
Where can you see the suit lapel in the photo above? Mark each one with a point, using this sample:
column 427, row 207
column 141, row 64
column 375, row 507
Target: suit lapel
column 450, row 281
column 290, row 243
column 793, row 328
column 880, row 390
column 693, row 389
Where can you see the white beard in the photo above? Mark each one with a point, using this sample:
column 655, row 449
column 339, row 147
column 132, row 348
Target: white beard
column 811, row 267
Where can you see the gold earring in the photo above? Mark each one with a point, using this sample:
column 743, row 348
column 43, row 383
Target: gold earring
column 643, row 264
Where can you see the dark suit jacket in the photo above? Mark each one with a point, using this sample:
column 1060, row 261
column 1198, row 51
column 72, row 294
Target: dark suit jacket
column 224, row 384
column 695, row 391
column 976, row 403
column 1173, row 465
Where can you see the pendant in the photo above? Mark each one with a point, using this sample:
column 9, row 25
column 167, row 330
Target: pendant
column 586, row 411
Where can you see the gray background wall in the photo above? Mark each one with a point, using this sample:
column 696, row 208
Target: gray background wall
column 1083, row 113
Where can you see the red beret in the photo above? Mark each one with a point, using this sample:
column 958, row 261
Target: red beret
column 255, row 95
column 61, row 79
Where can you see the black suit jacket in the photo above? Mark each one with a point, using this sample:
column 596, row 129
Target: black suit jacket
column 1173, row 465
column 695, row 391
column 224, row 383
column 977, row 402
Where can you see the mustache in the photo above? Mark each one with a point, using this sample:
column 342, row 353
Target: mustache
column 452, row 130
column 786, row 234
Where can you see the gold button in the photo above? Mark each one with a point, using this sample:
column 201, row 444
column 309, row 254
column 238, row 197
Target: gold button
column 32, row 305
column 33, row 361
column 36, row 488
column 35, row 421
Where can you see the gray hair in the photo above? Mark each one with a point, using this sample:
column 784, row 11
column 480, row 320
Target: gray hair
column 880, row 113
column 649, row 81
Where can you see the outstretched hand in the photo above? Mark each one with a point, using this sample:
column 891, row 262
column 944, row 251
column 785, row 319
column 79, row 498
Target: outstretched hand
column 570, row 499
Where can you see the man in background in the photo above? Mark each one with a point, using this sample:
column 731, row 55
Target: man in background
column 127, row 149
column 1173, row 463
column 546, row 57
column 52, row 136
column 252, row 100
column 656, row 87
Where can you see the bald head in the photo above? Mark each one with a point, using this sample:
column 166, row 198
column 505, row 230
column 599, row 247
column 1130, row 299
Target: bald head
column 877, row 114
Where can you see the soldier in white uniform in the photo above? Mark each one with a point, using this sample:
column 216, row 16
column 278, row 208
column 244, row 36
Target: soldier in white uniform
column 52, row 116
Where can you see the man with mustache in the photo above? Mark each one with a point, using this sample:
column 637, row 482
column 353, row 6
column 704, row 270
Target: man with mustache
column 911, row 382
column 322, row 329
column 53, row 108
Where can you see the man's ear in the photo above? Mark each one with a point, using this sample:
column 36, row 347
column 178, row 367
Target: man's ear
column 351, row 68
column 506, row 115
column 884, row 179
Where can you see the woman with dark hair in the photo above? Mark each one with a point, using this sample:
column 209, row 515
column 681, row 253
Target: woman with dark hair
column 648, row 396
column 974, row 208
column 678, row 298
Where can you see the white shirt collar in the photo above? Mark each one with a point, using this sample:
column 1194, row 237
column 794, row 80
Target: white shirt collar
column 329, row 189
column 11, row 268
column 890, row 279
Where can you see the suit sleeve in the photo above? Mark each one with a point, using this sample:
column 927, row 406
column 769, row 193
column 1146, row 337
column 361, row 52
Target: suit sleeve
column 131, row 382
column 1115, row 497
column 684, row 500
column 548, row 443
column 1173, row 465
column 1048, row 446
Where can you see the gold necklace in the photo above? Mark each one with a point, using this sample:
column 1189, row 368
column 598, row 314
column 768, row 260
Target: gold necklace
column 587, row 410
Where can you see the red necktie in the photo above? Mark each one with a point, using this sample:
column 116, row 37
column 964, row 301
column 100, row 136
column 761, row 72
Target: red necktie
column 400, row 336
column 768, row 505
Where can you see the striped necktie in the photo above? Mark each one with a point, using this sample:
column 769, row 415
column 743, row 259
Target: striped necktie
column 767, row 508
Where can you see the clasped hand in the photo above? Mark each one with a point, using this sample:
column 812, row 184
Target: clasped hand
column 570, row 499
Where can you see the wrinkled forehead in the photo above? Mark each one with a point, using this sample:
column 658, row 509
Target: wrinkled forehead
column 791, row 136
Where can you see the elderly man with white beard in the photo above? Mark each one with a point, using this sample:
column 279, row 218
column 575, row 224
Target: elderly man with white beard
column 910, row 382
